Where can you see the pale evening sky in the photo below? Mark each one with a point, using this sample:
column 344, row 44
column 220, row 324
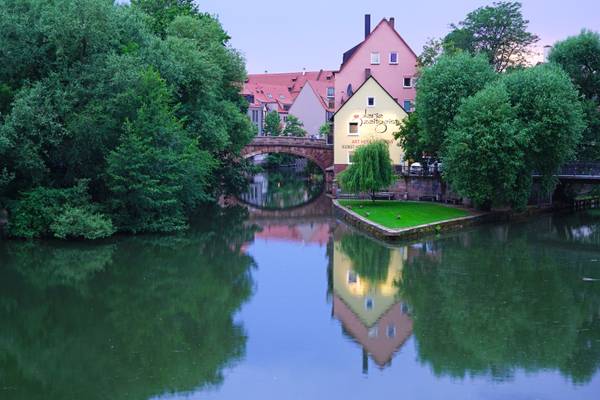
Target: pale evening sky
column 280, row 36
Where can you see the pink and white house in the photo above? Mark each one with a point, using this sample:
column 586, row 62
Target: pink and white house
column 386, row 56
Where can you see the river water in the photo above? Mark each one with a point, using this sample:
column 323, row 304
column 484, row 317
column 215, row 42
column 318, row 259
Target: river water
column 301, row 306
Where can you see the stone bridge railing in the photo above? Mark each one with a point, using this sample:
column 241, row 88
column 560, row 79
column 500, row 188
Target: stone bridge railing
column 289, row 141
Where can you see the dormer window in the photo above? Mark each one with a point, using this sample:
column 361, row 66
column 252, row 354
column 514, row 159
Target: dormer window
column 394, row 58
column 375, row 59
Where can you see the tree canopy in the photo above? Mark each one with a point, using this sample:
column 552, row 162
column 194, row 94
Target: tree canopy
column 498, row 31
column 140, row 100
column 294, row 127
column 273, row 124
column 528, row 121
column 440, row 91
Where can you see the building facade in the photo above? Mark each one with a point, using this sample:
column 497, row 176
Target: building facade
column 312, row 108
column 371, row 113
column 383, row 54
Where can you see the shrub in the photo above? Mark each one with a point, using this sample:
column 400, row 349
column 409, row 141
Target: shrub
column 78, row 222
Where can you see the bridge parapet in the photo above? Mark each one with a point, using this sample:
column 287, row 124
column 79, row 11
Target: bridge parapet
column 289, row 141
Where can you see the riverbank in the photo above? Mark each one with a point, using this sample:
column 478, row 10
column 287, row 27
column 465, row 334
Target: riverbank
column 473, row 218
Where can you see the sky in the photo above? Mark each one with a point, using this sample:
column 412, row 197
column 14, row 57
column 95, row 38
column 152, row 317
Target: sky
column 284, row 36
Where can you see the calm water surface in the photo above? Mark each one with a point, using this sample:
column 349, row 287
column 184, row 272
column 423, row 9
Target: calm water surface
column 301, row 306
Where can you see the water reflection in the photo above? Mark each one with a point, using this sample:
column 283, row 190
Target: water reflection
column 494, row 301
column 285, row 187
column 131, row 319
column 365, row 296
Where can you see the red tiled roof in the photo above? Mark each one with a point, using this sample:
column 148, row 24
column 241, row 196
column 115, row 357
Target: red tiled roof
column 285, row 87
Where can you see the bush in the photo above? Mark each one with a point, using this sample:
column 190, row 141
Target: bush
column 62, row 213
column 78, row 222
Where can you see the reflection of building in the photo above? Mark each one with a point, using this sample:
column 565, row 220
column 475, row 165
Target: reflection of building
column 370, row 310
column 257, row 189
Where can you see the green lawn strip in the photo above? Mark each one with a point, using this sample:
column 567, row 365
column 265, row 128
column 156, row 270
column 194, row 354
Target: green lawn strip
column 411, row 213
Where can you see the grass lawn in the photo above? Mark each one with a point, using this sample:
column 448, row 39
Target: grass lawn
column 411, row 213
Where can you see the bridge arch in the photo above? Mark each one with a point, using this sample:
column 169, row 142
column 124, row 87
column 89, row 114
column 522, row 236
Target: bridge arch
column 316, row 150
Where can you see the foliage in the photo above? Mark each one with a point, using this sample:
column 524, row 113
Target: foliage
column 507, row 291
column 403, row 214
column 528, row 121
column 163, row 12
column 485, row 156
column 589, row 146
column 325, row 129
column 371, row 169
column 440, row 91
column 78, row 222
column 45, row 211
column 546, row 104
column 432, row 50
column 369, row 259
column 273, row 124
column 293, row 127
column 139, row 317
column 79, row 79
column 410, row 137
column 154, row 175
column 499, row 32
column 579, row 56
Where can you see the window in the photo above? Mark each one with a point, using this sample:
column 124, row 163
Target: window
column 407, row 82
column 285, row 118
column 353, row 128
column 369, row 303
column 373, row 332
column 393, row 57
column 255, row 116
column 375, row 59
column 407, row 105
column 330, row 92
column 350, row 157
column 391, row 331
column 371, row 101
column 352, row 277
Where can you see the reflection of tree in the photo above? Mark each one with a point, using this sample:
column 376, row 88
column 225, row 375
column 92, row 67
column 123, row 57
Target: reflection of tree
column 370, row 259
column 156, row 315
column 491, row 306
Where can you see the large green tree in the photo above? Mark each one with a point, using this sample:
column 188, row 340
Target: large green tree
column 498, row 31
column 440, row 91
column 530, row 121
column 579, row 56
column 72, row 92
column 371, row 169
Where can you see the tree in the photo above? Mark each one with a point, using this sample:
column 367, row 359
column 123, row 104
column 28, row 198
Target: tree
column 528, row 121
column 325, row 129
column 579, row 56
column 547, row 105
column 410, row 137
column 432, row 50
column 484, row 158
column 273, row 124
column 441, row 89
column 499, row 32
column 293, row 127
column 163, row 12
column 370, row 171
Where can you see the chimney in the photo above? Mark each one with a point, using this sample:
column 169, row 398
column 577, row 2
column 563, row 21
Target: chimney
column 392, row 22
column 303, row 71
column 367, row 25
column 367, row 73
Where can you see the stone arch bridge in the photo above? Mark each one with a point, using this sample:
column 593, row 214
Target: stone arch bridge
column 316, row 150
